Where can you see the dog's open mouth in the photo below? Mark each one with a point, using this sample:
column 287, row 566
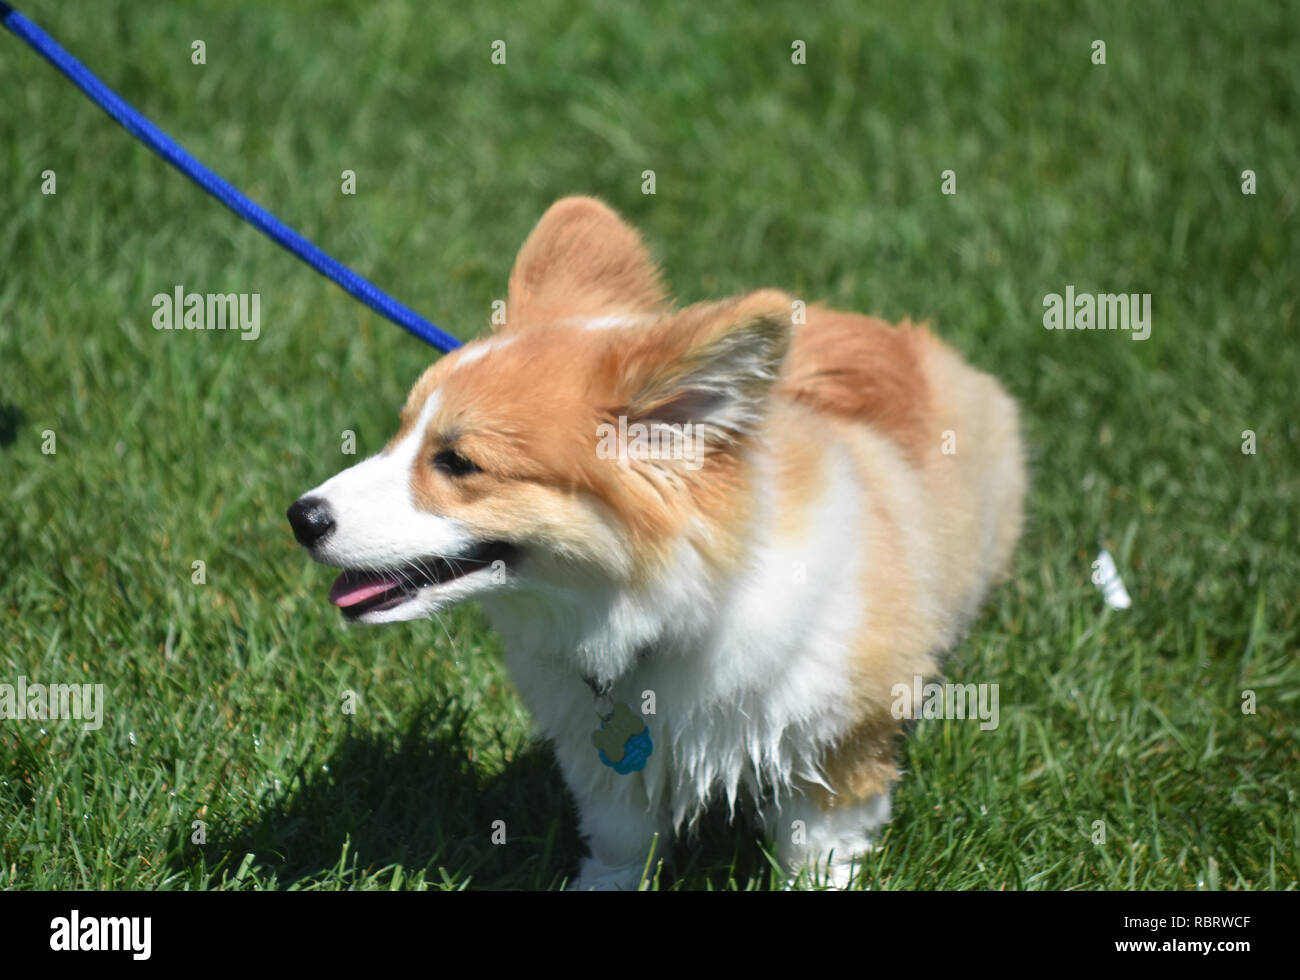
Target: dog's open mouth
column 358, row 592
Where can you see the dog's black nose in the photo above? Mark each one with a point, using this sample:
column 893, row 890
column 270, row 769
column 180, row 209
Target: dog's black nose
column 311, row 520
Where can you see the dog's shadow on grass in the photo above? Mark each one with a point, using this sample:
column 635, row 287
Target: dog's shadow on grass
column 11, row 419
column 422, row 804
column 426, row 806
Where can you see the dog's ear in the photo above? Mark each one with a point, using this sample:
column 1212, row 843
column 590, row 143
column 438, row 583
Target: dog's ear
column 712, row 365
column 582, row 260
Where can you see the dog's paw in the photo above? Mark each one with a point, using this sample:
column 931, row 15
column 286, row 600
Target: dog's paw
column 828, row 874
column 596, row 876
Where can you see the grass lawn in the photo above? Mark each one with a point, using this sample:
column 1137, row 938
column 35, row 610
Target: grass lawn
column 224, row 699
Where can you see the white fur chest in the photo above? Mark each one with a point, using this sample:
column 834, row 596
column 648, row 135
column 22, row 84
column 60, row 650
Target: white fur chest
column 749, row 678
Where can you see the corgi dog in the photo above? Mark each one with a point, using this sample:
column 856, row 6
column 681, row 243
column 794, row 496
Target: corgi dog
column 713, row 539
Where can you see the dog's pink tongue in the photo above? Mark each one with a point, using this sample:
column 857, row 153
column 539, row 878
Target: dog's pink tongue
column 353, row 587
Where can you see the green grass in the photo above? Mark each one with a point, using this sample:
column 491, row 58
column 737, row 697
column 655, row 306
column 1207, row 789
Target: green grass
column 224, row 699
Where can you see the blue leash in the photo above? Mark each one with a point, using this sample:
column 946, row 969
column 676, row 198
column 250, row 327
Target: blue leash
column 222, row 190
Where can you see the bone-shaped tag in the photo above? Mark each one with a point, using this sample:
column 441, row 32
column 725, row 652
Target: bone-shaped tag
column 623, row 740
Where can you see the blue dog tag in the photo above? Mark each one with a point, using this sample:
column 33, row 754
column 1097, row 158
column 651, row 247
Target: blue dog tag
column 623, row 740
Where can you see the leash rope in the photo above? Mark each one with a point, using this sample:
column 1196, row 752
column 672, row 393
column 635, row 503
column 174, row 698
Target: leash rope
column 225, row 192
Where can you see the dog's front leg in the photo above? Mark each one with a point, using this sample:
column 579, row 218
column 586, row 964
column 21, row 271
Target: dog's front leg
column 620, row 829
column 831, row 844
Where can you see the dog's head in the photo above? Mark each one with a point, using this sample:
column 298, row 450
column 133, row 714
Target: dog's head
column 580, row 444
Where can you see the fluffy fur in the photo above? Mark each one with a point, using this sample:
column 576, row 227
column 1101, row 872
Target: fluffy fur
column 821, row 548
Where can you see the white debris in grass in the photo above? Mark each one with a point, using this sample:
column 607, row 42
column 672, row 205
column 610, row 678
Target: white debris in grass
column 1106, row 577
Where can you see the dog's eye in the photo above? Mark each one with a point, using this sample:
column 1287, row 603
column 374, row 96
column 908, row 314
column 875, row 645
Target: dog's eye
column 454, row 464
